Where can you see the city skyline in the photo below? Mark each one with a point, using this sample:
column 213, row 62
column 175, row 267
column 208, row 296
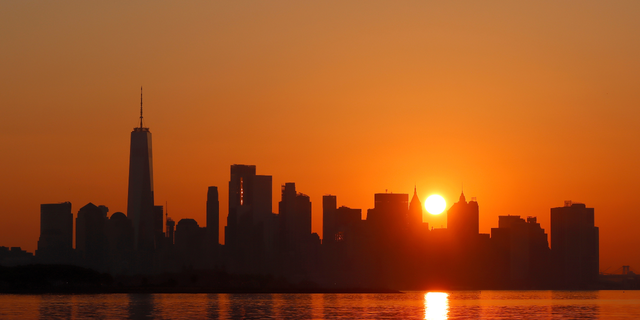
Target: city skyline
column 527, row 106
column 392, row 247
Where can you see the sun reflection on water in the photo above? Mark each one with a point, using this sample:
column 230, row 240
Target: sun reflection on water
column 436, row 305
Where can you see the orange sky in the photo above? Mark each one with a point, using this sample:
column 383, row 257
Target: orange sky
column 527, row 104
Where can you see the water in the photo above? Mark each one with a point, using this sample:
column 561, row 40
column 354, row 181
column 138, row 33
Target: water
column 409, row 305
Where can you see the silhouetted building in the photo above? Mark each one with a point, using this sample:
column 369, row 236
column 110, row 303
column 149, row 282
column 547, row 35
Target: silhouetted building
column 212, row 242
column 91, row 239
column 463, row 219
column 346, row 223
column 575, row 245
column 140, row 198
column 390, row 212
column 158, row 224
column 343, row 244
column 415, row 210
column 189, row 242
column 119, row 231
column 55, row 244
column 250, row 231
column 170, row 230
column 329, row 208
column 295, row 214
column 15, row 256
column 213, row 216
column 525, row 251
column 299, row 247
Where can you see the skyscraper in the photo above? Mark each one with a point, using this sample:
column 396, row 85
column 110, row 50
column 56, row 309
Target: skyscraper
column 295, row 212
column 91, row 238
column 390, row 210
column 213, row 215
column 250, row 226
column 158, row 223
column 463, row 219
column 525, row 250
column 329, row 207
column 575, row 244
column 56, row 233
column 140, row 199
column 415, row 210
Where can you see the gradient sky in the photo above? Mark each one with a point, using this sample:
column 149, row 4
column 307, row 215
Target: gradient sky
column 526, row 103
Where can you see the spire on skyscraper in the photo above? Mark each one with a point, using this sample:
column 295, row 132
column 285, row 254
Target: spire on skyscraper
column 140, row 200
column 415, row 208
column 140, row 107
column 415, row 194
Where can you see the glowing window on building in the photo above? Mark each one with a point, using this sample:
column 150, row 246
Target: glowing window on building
column 241, row 192
column 339, row 236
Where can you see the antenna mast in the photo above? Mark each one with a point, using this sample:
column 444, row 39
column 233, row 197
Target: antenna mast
column 140, row 107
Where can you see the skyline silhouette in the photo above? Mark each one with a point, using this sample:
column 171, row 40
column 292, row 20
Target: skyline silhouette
column 526, row 104
column 391, row 247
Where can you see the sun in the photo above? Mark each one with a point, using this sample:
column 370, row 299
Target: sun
column 435, row 204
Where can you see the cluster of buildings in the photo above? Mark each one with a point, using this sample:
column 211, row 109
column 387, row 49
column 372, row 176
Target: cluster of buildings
column 391, row 247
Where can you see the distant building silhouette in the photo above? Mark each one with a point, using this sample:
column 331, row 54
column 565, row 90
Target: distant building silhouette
column 390, row 213
column 299, row 248
column 341, row 223
column 212, row 242
column 213, row 216
column 390, row 248
column 575, row 244
column 463, row 219
column 119, row 231
column 329, row 209
column 415, row 211
column 251, row 226
column 140, row 200
column 91, row 239
column 170, row 230
column 158, row 224
column 295, row 214
column 55, row 244
column 189, row 242
column 526, row 250
column 15, row 256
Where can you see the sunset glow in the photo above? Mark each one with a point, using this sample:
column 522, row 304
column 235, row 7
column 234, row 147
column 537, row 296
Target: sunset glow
column 528, row 103
column 436, row 306
column 435, row 204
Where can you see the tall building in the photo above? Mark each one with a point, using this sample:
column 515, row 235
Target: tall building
column 390, row 211
column 211, row 230
column 525, row 250
column 171, row 225
column 240, row 198
column 329, row 207
column 119, row 231
column 249, row 234
column 338, row 224
column 347, row 219
column 213, row 216
column 189, row 239
column 91, row 238
column 158, row 223
column 575, row 244
column 140, row 197
column 415, row 209
column 55, row 244
column 295, row 212
column 463, row 219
